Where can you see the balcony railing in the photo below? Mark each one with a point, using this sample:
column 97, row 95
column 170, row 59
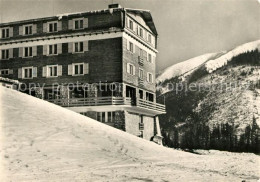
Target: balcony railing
column 150, row 105
column 140, row 60
column 141, row 126
column 141, row 82
column 91, row 101
column 103, row 101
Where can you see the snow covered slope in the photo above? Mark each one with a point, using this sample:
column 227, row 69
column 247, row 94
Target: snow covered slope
column 183, row 67
column 214, row 64
column 40, row 141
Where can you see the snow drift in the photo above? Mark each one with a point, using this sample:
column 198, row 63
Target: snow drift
column 40, row 141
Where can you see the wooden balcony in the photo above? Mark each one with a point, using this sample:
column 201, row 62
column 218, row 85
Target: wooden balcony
column 92, row 101
column 150, row 105
column 113, row 101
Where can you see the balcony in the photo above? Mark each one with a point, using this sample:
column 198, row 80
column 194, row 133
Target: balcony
column 150, row 105
column 139, row 104
column 140, row 60
column 141, row 82
column 92, row 101
column 141, row 126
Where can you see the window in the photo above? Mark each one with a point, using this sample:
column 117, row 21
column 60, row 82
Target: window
column 141, row 73
column 28, row 30
column 106, row 117
column 52, row 71
column 78, row 69
column 78, row 24
column 149, row 57
column 52, row 27
column 150, row 77
column 5, row 33
column 131, row 46
column 149, row 96
column 141, row 94
column 27, row 72
column 141, row 33
column 4, row 72
column 53, row 49
column 149, row 38
column 131, row 24
column 78, row 47
column 131, row 69
column 5, row 54
column 28, row 52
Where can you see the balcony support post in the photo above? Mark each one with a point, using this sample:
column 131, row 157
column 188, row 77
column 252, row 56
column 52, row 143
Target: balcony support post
column 158, row 136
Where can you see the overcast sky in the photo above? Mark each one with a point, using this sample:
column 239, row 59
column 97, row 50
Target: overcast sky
column 187, row 28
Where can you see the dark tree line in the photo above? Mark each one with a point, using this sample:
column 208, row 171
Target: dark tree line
column 221, row 137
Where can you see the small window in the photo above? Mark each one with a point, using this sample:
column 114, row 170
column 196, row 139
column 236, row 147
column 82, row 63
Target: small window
column 150, row 77
column 27, row 72
column 141, row 33
column 131, row 69
column 141, row 73
column 78, row 47
column 4, row 72
column 131, row 46
column 78, row 69
column 5, row 54
column 28, row 52
column 52, row 71
column 78, row 24
column 149, row 38
column 131, row 24
column 53, row 49
column 53, row 27
column 28, row 30
column 149, row 57
column 5, row 33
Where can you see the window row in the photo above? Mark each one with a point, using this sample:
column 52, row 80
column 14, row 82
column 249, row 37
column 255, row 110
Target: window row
column 141, row 53
column 131, row 70
column 48, row 27
column 49, row 50
column 140, row 31
column 75, row 69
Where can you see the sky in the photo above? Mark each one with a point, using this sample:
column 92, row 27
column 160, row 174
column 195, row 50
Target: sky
column 186, row 28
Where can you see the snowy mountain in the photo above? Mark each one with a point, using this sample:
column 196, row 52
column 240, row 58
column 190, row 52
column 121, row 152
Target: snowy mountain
column 222, row 108
column 214, row 64
column 40, row 141
column 184, row 67
column 211, row 61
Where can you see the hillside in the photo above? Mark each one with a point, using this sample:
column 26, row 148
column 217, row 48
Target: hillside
column 40, row 141
column 222, row 111
column 184, row 67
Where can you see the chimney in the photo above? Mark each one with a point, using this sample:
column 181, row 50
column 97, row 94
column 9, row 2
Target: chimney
column 114, row 6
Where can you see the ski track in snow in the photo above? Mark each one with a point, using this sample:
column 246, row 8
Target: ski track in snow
column 40, row 141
